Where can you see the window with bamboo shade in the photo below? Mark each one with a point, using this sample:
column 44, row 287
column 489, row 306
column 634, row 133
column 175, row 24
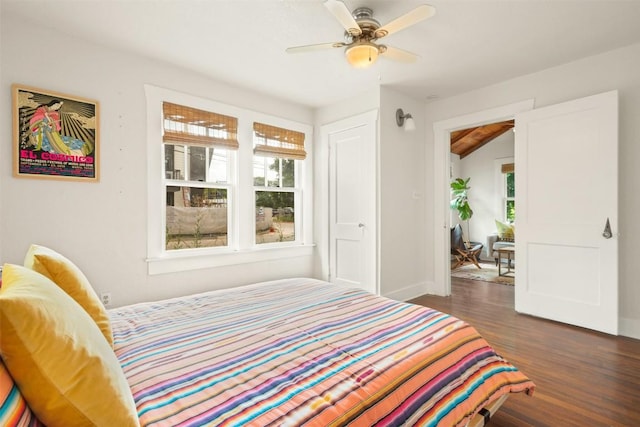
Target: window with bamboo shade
column 273, row 141
column 191, row 126
column 508, row 167
column 276, row 152
column 201, row 192
column 197, row 146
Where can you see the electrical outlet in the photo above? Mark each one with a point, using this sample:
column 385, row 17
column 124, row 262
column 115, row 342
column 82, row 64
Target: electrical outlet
column 105, row 297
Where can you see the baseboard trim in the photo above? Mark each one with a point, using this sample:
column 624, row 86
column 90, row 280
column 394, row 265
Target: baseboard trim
column 629, row 328
column 407, row 292
column 433, row 289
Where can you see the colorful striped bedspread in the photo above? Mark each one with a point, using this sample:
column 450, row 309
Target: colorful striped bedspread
column 305, row 352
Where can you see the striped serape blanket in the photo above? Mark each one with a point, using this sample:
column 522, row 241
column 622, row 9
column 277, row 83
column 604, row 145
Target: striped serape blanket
column 305, row 352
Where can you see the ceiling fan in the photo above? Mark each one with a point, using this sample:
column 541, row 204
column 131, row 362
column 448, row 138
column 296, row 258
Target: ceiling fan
column 362, row 31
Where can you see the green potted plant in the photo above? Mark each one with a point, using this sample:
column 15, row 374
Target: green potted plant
column 460, row 202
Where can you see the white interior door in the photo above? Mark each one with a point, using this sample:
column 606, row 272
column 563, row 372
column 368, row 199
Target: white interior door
column 352, row 207
column 567, row 189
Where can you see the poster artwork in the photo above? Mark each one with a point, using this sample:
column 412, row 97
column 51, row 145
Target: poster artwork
column 55, row 135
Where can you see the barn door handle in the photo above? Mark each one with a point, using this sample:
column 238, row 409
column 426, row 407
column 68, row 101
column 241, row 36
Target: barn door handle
column 607, row 230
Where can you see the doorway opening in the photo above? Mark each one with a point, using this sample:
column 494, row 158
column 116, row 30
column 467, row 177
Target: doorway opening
column 482, row 175
column 442, row 177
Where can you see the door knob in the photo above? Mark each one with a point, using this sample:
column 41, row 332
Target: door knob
column 361, row 225
column 607, row 230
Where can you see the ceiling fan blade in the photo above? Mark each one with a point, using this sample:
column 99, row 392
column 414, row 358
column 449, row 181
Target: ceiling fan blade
column 413, row 17
column 343, row 15
column 314, row 47
column 400, row 55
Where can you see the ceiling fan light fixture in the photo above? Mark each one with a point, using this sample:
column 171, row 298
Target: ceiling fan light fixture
column 361, row 54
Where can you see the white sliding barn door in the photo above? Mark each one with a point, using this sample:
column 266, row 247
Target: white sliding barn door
column 567, row 192
column 352, row 204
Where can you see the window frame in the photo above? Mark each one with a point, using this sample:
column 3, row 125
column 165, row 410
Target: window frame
column 241, row 246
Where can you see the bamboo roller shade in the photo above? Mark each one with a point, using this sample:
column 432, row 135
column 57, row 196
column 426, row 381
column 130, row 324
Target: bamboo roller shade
column 508, row 167
column 187, row 125
column 273, row 141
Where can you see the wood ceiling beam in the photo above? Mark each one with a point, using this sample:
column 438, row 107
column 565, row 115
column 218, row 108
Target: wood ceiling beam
column 459, row 134
column 466, row 141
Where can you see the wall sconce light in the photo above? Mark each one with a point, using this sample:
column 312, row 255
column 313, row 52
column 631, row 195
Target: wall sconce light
column 405, row 120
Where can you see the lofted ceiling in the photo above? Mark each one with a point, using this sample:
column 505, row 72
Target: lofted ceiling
column 243, row 43
column 466, row 141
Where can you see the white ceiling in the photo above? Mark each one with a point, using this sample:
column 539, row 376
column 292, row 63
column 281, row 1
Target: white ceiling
column 466, row 45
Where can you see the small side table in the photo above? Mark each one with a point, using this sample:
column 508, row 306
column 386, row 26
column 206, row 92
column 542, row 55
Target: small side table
column 506, row 252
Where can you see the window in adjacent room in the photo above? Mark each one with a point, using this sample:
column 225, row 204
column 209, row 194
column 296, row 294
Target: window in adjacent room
column 198, row 147
column 276, row 162
column 509, row 192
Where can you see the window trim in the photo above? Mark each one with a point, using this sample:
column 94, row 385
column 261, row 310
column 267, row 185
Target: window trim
column 241, row 200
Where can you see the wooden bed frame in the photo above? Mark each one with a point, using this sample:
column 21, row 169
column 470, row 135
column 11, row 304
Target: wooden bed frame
column 485, row 414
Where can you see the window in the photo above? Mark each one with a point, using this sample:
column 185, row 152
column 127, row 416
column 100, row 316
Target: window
column 201, row 198
column 509, row 192
column 277, row 153
column 197, row 153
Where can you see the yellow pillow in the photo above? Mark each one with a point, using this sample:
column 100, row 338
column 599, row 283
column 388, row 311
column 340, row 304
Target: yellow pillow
column 68, row 276
column 63, row 366
column 505, row 231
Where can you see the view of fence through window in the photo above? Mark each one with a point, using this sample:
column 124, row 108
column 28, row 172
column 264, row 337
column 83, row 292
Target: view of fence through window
column 197, row 218
column 196, row 206
column 274, row 182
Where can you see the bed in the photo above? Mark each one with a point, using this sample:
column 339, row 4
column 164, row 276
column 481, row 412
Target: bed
column 299, row 352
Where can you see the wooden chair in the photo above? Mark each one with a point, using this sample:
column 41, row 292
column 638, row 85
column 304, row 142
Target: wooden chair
column 461, row 251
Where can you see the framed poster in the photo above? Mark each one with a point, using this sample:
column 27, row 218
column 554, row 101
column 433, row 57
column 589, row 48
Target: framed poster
column 55, row 136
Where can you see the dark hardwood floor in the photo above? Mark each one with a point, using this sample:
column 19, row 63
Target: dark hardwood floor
column 583, row 378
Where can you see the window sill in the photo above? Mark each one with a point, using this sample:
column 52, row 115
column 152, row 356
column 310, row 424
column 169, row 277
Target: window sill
column 186, row 261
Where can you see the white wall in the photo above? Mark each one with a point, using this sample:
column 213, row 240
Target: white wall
column 480, row 166
column 402, row 198
column 617, row 69
column 102, row 226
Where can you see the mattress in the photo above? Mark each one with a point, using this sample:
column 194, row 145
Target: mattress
column 305, row 352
